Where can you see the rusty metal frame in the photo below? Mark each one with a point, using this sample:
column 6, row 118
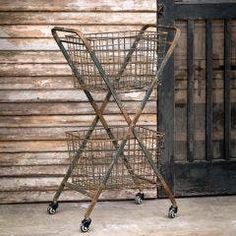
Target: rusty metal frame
column 99, row 112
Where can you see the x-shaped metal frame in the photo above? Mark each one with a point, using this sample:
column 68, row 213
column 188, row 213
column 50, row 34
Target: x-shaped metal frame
column 99, row 112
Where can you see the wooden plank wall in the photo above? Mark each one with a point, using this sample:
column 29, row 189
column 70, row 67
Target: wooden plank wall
column 37, row 100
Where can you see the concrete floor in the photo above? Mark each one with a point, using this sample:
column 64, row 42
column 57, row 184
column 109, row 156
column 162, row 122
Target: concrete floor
column 212, row 216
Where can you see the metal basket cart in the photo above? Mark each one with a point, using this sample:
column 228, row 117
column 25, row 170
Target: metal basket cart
column 117, row 157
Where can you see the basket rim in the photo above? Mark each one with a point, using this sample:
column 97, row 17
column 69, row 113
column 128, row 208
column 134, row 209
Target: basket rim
column 93, row 35
column 79, row 133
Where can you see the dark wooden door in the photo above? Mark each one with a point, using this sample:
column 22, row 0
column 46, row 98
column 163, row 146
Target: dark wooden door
column 197, row 102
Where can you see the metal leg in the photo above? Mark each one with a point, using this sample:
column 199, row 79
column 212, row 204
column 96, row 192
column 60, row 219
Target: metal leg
column 158, row 174
column 116, row 155
column 54, row 204
column 66, row 177
column 132, row 124
column 74, row 161
column 93, row 202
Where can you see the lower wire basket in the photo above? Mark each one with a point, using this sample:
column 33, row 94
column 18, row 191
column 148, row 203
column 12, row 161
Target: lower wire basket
column 97, row 156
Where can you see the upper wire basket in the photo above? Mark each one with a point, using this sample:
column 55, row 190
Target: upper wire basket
column 130, row 59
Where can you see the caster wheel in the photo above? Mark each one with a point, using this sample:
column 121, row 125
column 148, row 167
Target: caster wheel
column 84, row 227
column 52, row 208
column 172, row 211
column 139, row 198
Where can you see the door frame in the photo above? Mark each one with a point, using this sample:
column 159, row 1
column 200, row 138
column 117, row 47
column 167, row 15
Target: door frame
column 166, row 93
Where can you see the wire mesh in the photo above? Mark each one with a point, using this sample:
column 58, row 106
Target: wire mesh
column 97, row 156
column 112, row 49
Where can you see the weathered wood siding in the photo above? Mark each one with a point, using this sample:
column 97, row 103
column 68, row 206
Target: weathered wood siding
column 199, row 91
column 37, row 100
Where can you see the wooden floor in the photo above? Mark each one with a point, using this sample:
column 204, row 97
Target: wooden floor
column 197, row 216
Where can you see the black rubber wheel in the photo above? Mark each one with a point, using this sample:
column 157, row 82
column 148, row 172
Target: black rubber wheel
column 139, row 197
column 52, row 208
column 84, row 227
column 172, row 212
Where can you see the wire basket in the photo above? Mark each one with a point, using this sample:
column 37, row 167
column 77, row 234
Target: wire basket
column 112, row 50
column 97, row 157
